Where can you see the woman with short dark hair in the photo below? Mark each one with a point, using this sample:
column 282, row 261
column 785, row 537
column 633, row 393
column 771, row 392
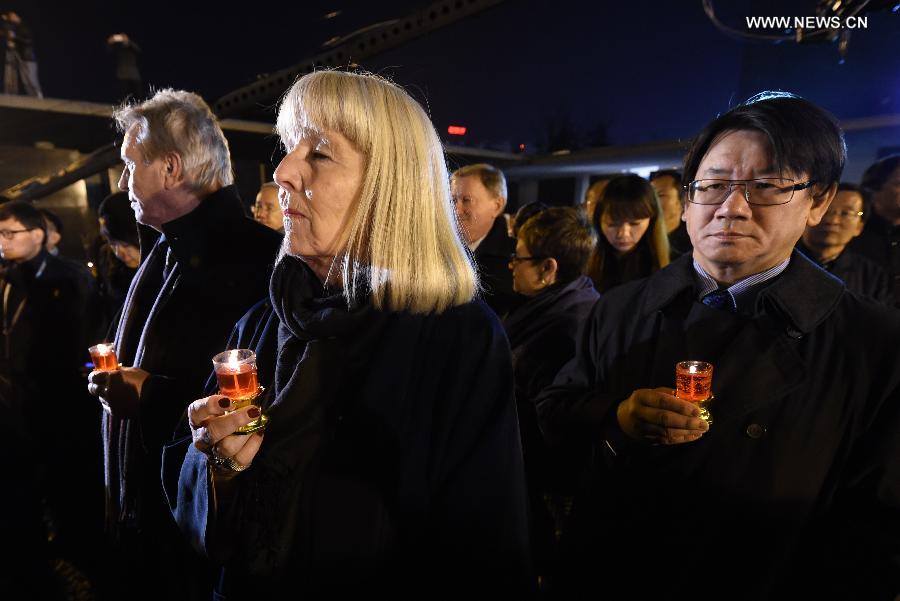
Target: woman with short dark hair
column 552, row 251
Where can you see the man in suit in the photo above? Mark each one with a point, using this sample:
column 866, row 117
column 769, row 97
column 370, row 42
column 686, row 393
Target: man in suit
column 793, row 489
column 667, row 184
column 204, row 264
column 826, row 244
column 479, row 195
column 47, row 305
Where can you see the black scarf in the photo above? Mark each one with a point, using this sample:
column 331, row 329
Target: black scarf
column 323, row 348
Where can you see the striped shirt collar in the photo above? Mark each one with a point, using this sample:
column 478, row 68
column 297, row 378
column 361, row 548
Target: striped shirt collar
column 707, row 284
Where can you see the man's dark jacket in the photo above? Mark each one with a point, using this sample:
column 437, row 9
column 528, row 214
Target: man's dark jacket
column 680, row 241
column 860, row 274
column 795, row 489
column 880, row 242
column 492, row 257
column 219, row 266
column 50, row 419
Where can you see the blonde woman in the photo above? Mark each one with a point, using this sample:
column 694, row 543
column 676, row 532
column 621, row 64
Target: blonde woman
column 391, row 461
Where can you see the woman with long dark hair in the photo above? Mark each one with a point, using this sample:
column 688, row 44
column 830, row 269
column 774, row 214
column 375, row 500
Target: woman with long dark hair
column 632, row 241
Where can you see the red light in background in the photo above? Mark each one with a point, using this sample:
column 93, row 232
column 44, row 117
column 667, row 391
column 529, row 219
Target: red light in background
column 522, row 147
column 456, row 130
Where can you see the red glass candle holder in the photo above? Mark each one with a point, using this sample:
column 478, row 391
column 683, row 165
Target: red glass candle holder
column 103, row 355
column 693, row 382
column 237, row 377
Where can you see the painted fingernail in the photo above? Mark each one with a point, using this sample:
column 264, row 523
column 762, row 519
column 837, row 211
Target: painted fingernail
column 225, row 403
column 253, row 412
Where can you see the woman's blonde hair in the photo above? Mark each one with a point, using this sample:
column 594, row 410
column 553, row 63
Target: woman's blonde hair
column 401, row 244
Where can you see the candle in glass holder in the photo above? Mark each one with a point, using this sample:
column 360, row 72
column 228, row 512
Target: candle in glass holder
column 236, row 373
column 104, row 357
column 693, row 380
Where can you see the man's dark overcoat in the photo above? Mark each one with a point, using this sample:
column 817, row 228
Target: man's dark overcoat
column 794, row 490
column 194, row 282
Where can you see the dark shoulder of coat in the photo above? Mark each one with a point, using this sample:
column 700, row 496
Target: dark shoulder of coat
column 863, row 276
column 492, row 258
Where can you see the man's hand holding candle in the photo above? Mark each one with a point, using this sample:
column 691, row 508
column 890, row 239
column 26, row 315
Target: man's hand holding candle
column 657, row 416
column 119, row 391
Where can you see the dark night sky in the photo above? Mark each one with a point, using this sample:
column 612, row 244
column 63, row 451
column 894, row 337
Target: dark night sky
column 646, row 70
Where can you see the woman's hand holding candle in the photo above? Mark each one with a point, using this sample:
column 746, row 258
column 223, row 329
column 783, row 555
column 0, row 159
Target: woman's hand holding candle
column 213, row 432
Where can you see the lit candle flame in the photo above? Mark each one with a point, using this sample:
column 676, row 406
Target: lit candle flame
column 692, row 369
column 233, row 364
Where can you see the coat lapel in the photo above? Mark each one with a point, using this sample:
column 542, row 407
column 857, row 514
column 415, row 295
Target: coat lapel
column 162, row 299
column 143, row 285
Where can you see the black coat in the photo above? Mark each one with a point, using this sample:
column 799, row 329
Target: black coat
column 679, row 241
column 55, row 325
column 795, row 489
column 860, row 274
column 492, row 258
column 619, row 269
column 542, row 334
column 171, row 328
column 50, row 433
column 880, row 242
column 391, row 461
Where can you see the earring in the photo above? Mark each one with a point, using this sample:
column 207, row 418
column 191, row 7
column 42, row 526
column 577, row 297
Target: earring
column 543, row 281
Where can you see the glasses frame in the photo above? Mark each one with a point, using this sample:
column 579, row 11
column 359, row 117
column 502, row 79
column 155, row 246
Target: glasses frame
column 743, row 182
column 844, row 215
column 9, row 234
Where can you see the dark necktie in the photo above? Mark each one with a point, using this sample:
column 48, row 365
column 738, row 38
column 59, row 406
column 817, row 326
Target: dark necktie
column 720, row 299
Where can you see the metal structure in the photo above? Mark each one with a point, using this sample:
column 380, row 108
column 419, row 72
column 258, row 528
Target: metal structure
column 87, row 127
column 348, row 50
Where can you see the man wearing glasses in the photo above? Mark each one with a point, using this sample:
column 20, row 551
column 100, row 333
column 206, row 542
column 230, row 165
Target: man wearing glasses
column 47, row 312
column 793, row 488
column 826, row 244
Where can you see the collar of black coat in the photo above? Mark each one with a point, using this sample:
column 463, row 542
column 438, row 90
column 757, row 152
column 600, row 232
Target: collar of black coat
column 803, row 296
column 497, row 242
column 29, row 269
column 552, row 302
column 191, row 235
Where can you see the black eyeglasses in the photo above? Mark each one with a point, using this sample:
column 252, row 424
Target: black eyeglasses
column 8, row 234
column 514, row 258
column 763, row 191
